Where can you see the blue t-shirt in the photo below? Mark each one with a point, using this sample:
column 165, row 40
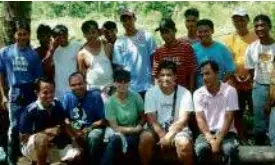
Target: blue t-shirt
column 134, row 55
column 82, row 112
column 35, row 118
column 20, row 65
column 216, row 52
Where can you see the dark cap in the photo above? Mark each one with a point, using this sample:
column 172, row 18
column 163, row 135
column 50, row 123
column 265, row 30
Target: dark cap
column 166, row 24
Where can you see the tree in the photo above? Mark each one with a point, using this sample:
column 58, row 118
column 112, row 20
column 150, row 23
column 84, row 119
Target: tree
column 14, row 11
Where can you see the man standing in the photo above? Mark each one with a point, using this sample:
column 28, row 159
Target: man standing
column 215, row 104
column 167, row 106
column 177, row 51
column 259, row 60
column 192, row 16
column 45, row 50
column 133, row 52
column 20, row 65
column 64, row 58
column 237, row 42
column 85, row 111
column 208, row 49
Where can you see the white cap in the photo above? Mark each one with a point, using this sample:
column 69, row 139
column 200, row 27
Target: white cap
column 239, row 12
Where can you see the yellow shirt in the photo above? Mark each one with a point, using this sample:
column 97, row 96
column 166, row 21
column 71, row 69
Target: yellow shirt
column 237, row 45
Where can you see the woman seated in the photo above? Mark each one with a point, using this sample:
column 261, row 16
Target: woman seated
column 125, row 113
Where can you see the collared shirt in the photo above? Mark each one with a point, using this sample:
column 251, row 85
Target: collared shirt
column 215, row 106
column 83, row 111
column 36, row 118
column 183, row 55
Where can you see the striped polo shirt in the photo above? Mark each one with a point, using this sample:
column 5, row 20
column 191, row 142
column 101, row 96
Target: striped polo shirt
column 183, row 55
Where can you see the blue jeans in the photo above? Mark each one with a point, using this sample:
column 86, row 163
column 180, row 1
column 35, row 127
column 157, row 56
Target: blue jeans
column 93, row 145
column 19, row 98
column 229, row 148
column 114, row 149
column 259, row 97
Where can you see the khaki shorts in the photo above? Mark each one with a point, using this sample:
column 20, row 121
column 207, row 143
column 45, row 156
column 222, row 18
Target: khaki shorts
column 55, row 155
column 185, row 133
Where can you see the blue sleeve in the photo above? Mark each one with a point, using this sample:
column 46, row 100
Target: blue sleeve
column 152, row 46
column 2, row 63
column 118, row 54
column 229, row 64
column 38, row 71
column 26, row 122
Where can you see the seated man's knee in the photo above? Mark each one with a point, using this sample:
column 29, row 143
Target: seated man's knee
column 230, row 149
column 41, row 140
column 184, row 148
column 203, row 151
column 95, row 136
column 147, row 139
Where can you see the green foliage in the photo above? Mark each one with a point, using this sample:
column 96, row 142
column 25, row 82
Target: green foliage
column 149, row 13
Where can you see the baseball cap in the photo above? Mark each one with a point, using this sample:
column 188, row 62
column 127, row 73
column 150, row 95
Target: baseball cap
column 239, row 12
column 126, row 11
column 166, row 24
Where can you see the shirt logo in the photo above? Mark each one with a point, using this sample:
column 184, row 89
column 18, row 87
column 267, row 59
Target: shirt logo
column 20, row 64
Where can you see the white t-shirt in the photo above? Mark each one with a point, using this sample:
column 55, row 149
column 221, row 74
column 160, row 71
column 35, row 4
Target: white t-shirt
column 214, row 107
column 157, row 101
column 65, row 63
column 260, row 58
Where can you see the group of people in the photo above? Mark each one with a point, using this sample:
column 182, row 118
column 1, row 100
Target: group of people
column 124, row 97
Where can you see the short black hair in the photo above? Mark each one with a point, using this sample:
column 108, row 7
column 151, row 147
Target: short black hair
column 192, row 12
column 122, row 75
column 214, row 65
column 206, row 22
column 108, row 25
column 87, row 25
column 59, row 30
column 43, row 29
column 263, row 17
column 166, row 64
column 39, row 80
column 22, row 24
column 74, row 74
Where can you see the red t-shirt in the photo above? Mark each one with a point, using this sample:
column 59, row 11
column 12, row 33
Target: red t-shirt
column 183, row 55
